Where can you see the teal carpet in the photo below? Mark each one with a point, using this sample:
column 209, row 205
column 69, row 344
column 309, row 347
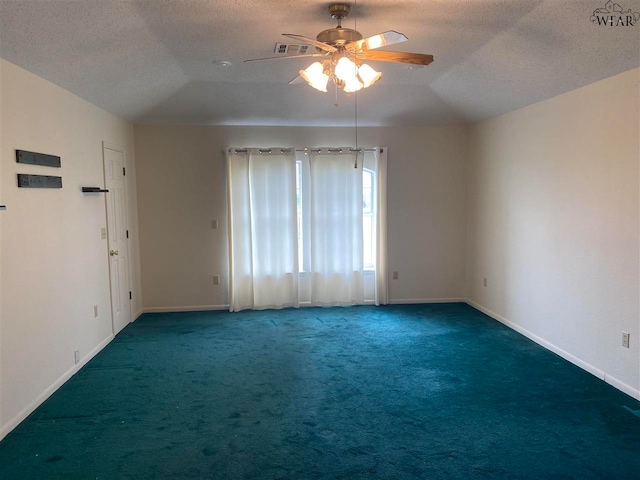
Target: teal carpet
column 397, row 392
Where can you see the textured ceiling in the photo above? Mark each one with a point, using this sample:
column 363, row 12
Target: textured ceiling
column 151, row 61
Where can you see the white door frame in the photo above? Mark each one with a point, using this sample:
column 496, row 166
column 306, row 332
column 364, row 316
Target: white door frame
column 120, row 244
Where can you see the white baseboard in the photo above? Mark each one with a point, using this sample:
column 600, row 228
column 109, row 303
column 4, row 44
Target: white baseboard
column 204, row 308
column 29, row 409
column 623, row 387
column 186, row 308
column 403, row 301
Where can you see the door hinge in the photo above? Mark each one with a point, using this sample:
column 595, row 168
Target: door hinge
column 130, row 297
column 124, row 172
column 127, row 233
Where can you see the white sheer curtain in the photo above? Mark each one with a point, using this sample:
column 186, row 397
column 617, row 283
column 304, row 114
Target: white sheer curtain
column 380, row 218
column 263, row 242
column 266, row 230
column 336, row 227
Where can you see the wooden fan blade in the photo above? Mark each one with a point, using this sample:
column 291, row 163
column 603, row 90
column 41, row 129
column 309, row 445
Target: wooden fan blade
column 401, row 57
column 306, row 55
column 310, row 41
column 383, row 39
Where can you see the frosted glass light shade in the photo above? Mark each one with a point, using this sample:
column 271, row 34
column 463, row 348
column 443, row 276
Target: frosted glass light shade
column 315, row 76
column 352, row 85
column 346, row 69
column 368, row 75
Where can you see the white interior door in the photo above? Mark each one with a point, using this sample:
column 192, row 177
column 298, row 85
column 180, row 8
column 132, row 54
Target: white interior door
column 114, row 165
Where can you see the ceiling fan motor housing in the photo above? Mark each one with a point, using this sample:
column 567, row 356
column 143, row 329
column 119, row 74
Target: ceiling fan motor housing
column 339, row 36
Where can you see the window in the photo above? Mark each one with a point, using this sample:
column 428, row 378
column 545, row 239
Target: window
column 368, row 224
column 305, row 227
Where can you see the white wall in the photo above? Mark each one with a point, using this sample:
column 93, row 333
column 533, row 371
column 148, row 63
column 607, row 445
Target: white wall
column 54, row 264
column 553, row 206
column 182, row 188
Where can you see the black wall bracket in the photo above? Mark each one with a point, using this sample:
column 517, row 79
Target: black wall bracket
column 94, row 190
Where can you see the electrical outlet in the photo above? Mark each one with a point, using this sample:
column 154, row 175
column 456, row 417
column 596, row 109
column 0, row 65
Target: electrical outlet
column 103, row 233
column 216, row 279
column 95, row 311
column 76, row 356
column 484, row 282
column 214, row 224
column 395, row 275
column 625, row 339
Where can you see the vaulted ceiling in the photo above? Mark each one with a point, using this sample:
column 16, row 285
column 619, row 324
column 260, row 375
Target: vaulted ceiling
column 153, row 61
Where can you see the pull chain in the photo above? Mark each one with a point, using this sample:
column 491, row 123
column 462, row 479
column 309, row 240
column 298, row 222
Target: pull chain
column 356, row 122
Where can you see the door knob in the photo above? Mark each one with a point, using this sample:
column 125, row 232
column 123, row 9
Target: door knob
column 113, row 252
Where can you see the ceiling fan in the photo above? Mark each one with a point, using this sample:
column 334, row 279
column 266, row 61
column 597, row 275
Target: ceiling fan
column 344, row 51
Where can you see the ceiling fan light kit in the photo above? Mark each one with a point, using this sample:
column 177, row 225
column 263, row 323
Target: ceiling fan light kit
column 344, row 50
column 345, row 74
